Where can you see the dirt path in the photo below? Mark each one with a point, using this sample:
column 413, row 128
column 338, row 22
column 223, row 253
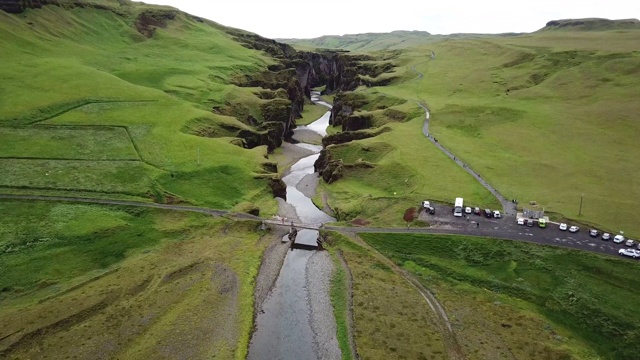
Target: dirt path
column 508, row 207
column 454, row 350
column 121, row 202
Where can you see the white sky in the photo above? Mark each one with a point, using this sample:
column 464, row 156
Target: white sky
column 308, row 19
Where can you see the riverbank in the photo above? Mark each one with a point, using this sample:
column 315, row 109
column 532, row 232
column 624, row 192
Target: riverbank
column 294, row 314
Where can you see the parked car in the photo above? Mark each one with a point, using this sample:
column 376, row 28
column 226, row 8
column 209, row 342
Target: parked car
column 542, row 223
column 630, row 252
column 618, row 239
column 476, row 211
column 431, row 210
column 426, row 204
column 496, row 214
column 530, row 222
column 574, row 229
column 563, row 227
column 520, row 221
column 467, row 210
column 606, row 236
column 487, row 213
column 630, row 243
column 594, row 233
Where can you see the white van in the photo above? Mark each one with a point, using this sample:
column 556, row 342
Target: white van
column 496, row 214
column 457, row 207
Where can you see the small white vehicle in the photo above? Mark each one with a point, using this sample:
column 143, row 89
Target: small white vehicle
column 563, row 227
column 426, row 204
column 496, row 214
column 574, row 229
column 630, row 253
column 520, row 221
column 467, row 210
column 606, row 236
column 630, row 243
column 618, row 239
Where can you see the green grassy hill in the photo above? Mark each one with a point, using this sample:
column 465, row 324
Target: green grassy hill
column 544, row 117
column 97, row 100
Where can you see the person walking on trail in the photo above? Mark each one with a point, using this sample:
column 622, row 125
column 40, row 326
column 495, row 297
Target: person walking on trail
column 477, row 225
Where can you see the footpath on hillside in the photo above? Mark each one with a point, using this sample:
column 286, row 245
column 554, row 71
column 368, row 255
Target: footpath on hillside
column 508, row 207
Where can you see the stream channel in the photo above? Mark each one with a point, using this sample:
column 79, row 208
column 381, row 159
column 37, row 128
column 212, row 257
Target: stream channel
column 296, row 321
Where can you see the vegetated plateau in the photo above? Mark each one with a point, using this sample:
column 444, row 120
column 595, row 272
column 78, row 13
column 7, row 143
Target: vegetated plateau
column 123, row 100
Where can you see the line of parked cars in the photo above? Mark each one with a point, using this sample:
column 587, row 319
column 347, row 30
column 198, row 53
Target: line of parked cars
column 488, row 213
column 531, row 222
column 618, row 239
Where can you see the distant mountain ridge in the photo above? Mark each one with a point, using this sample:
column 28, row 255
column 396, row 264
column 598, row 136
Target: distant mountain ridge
column 592, row 24
column 400, row 39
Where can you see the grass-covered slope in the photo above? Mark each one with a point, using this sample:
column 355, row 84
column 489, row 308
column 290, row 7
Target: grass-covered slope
column 93, row 281
column 390, row 319
column 104, row 92
column 512, row 299
column 543, row 117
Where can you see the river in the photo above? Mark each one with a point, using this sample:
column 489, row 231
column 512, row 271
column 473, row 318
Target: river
column 297, row 321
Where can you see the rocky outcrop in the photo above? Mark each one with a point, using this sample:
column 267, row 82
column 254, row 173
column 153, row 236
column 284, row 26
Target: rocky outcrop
column 19, row 6
column 345, row 137
column 278, row 188
column 149, row 20
column 12, row 6
column 329, row 169
column 332, row 170
column 345, row 105
column 357, row 122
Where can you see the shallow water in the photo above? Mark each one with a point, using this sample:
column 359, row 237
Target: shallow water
column 283, row 330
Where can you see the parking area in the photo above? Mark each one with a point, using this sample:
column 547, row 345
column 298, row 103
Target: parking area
column 443, row 221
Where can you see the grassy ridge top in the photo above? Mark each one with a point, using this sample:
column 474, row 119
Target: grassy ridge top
column 145, row 71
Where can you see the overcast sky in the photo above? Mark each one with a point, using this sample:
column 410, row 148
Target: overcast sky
column 308, row 19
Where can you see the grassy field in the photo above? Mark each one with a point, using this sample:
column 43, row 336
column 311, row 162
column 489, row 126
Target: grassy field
column 512, row 299
column 130, row 282
column 81, row 84
column 543, row 117
column 541, row 120
column 86, row 143
column 407, row 169
column 340, row 303
column 391, row 319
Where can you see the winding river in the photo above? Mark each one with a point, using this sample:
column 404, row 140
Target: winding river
column 291, row 324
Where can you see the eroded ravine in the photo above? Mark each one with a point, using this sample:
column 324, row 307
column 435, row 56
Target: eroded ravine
column 296, row 320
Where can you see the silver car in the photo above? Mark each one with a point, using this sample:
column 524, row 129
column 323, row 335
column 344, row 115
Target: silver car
column 630, row 253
